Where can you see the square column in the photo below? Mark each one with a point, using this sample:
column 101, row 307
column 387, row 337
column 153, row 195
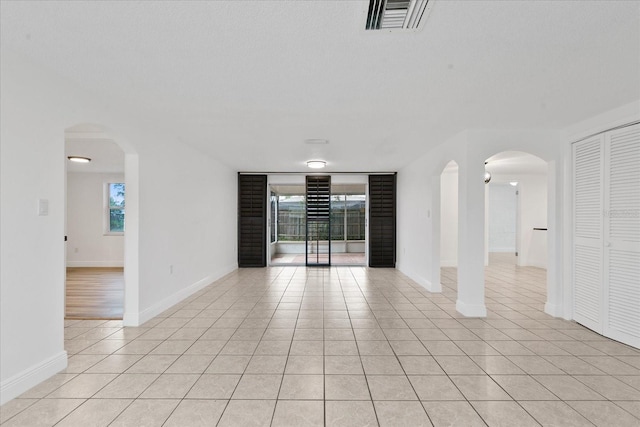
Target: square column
column 471, row 235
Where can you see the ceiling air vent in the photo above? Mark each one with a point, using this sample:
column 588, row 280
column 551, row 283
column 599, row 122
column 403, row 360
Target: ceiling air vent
column 396, row 14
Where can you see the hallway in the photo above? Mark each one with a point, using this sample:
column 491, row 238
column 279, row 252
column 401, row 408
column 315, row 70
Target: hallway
column 342, row 346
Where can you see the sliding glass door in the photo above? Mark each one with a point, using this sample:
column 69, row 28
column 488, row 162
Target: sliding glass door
column 339, row 239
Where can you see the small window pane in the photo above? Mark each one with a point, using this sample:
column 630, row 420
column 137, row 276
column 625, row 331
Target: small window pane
column 291, row 218
column 116, row 220
column 116, row 195
column 274, row 210
column 337, row 217
column 116, row 207
column 356, row 217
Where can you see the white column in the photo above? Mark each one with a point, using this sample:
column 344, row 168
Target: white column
column 555, row 292
column 471, row 234
column 434, row 284
column 131, row 315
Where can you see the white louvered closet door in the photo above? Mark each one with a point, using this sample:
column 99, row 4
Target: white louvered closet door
column 588, row 168
column 622, row 235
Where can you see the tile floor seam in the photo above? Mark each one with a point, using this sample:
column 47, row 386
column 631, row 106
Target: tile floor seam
column 385, row 297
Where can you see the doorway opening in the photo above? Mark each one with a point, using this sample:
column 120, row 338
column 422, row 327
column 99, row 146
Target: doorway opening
column 502, row 222
column 346, row 228
column 100, row 198
column 516, row 226
column 516, row 206
column 95, row 217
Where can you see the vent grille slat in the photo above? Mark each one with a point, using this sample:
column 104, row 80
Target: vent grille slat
column 396, row 14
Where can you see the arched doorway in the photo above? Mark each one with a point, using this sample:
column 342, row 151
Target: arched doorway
column 516, row 223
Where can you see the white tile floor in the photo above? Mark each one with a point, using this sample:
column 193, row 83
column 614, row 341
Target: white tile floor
column 346, row 346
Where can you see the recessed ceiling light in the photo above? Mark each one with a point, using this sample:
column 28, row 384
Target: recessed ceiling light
column 79, row 159
column 514, row 183
column 316, row 164
column 316, row 141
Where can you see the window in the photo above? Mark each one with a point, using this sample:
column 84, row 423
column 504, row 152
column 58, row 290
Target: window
column 355, row 208
column 348, row 217
column 337, row 217
column 292, row 219
column 274, row 217
column 114, row 221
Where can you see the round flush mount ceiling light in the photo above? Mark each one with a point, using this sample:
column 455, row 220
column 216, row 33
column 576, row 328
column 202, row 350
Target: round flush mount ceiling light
column 316, row 164
column 79, row 159
column 513, row 183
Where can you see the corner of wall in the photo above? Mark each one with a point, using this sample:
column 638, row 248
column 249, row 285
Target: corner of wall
column 168, row 302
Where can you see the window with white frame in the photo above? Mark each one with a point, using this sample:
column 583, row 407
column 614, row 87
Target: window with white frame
column 114, row 207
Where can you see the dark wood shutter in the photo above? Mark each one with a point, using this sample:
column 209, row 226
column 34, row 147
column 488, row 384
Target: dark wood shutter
column 252, row 220
column 382, row 220
column 318, row 198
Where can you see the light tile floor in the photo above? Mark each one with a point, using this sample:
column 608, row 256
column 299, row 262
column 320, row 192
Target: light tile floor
column 351, row 259
column 348, row 346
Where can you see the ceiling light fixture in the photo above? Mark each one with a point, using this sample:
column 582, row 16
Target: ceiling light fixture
column 513, row 183
column 316, row 141
column 79, row 159
column 316, row 164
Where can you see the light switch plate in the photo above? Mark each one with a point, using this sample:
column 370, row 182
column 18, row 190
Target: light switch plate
column 43, row 207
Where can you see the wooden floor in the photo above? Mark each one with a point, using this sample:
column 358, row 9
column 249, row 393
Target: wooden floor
column 94, row 293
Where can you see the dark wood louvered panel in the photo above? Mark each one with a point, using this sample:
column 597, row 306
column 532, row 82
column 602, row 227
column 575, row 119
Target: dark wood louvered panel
column 252, row 220
column 318, row 201
column 318, row 197
column 382, row 221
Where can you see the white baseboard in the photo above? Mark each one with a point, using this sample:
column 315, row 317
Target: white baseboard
column 448, row 263
column 422, row 281
column 553, row 309
column 150, row 312
column 115, row 263
column 23, row 381
column 131, row 319
column 471, row 310
column 503, row 250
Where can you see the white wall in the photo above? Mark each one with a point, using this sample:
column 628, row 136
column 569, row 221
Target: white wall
column 533, row 214
column 87, row 244
column 31, row 248
column 449, row 219
column 195, row 232
column 188, row 214
column 502, row 219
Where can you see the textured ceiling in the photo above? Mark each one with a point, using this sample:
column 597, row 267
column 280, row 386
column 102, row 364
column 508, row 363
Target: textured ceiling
column 248, row 82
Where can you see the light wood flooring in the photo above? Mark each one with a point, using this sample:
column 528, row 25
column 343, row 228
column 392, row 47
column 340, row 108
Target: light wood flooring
column 94, row 293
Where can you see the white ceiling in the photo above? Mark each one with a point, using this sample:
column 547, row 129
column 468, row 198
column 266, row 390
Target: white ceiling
column 249, row 81
column 90, row 141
